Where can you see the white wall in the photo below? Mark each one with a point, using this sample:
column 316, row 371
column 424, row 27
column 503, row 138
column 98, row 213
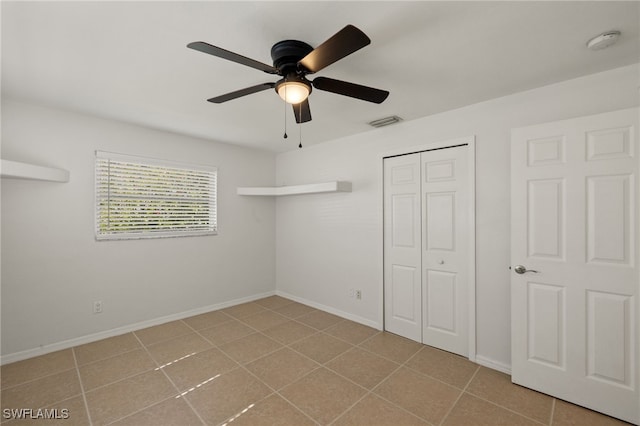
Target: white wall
column 329, row 243
column 53, row 268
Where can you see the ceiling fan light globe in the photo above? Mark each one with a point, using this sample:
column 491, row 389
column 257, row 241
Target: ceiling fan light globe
column 293, row 92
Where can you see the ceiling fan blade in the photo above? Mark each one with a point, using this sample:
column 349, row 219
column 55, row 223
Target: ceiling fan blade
column 302, row 111
column 230, row 56
column 350, row 89
column 242, row 92
column 343, row 43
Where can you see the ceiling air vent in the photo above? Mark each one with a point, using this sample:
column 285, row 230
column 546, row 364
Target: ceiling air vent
column 385, row 121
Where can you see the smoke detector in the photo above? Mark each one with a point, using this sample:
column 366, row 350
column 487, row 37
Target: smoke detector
column 604, row 40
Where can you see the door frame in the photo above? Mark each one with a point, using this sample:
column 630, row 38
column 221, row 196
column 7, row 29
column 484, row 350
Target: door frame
column 471, row 223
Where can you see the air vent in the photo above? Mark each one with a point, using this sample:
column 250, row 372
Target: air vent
column 385, row 121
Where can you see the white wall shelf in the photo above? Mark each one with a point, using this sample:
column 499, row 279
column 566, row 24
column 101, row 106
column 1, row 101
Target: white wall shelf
column 313, row 188
column 15, row 169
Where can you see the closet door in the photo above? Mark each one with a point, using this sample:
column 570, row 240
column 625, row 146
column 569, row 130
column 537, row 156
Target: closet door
column 402, row 246
column 445, row 198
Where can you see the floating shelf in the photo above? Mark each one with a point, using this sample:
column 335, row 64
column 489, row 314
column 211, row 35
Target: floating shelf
column 15, row 169
column 313, row 188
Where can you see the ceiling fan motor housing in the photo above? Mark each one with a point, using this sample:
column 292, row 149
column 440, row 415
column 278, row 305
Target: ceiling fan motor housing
column 287, row 53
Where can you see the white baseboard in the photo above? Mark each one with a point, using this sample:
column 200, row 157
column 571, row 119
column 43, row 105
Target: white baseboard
column 346, row 315
column 66, row 344
column 494, row 365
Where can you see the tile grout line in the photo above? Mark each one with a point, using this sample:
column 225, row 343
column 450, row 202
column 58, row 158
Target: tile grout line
column 283, row 346
column 400, row 365
column 353, row 346
column 162, row 340
column 277, row 392
column 404, row 364
column 287, row 346
column 141, row 410
column 371, row 391
column 260, row 357
column 385, row 357
column 294, row 405
column 318, row 367
column 37, row 378
column 413, row 370
column 553, row 411
column 273, row 390
column 402, row 408
column 52, row 403
column 170, row 381
column 323, row 364
column 109, row 357
column 243, row 367
column 121, row 379
column 230, row 318
column 84, row 396
column 511, row 410
column 464, row 390
column 144, row 347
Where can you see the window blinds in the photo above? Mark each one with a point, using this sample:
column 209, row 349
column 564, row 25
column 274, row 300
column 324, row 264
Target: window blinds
column 142, row 198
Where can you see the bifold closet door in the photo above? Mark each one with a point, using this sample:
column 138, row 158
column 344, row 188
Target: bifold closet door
column 425, row 247
column 445, row 198
column 402, row 246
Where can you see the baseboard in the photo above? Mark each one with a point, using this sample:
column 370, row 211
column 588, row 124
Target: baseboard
column 346, row 315
column 66, row 344
column 494, row 365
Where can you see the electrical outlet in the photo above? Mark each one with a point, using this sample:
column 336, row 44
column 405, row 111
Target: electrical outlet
column 359, row 294
column 97, row 307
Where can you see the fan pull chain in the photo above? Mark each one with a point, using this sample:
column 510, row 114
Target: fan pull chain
column 300, row 125
column 285, row 113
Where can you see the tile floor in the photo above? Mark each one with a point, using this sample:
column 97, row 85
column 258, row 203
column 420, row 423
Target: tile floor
column 272, row 362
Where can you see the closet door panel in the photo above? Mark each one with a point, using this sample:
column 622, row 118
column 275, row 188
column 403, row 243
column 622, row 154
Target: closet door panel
column 445, row 192
column 402, row 245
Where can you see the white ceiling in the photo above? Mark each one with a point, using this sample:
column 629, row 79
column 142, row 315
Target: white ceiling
column 128, row 60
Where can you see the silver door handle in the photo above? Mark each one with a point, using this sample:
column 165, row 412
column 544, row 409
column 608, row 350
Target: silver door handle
column 520, row 269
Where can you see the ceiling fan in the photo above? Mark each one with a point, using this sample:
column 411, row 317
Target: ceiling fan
column 293, row 60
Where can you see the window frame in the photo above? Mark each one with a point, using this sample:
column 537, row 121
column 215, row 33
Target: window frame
column 212, row 171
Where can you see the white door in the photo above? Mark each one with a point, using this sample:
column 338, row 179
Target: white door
column 402, row 245
column 574, row 211
column 445, row 192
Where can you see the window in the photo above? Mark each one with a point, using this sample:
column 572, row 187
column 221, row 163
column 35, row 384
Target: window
column 140, row 197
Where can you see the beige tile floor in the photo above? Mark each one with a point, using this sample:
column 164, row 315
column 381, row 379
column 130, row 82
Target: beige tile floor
column 273, row 362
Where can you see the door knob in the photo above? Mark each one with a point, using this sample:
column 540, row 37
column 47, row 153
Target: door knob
column 520, row 269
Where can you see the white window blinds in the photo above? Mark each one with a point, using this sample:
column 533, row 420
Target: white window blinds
column 138, row 197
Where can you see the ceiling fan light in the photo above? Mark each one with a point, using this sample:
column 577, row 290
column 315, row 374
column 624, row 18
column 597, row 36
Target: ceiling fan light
column 293, row 92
